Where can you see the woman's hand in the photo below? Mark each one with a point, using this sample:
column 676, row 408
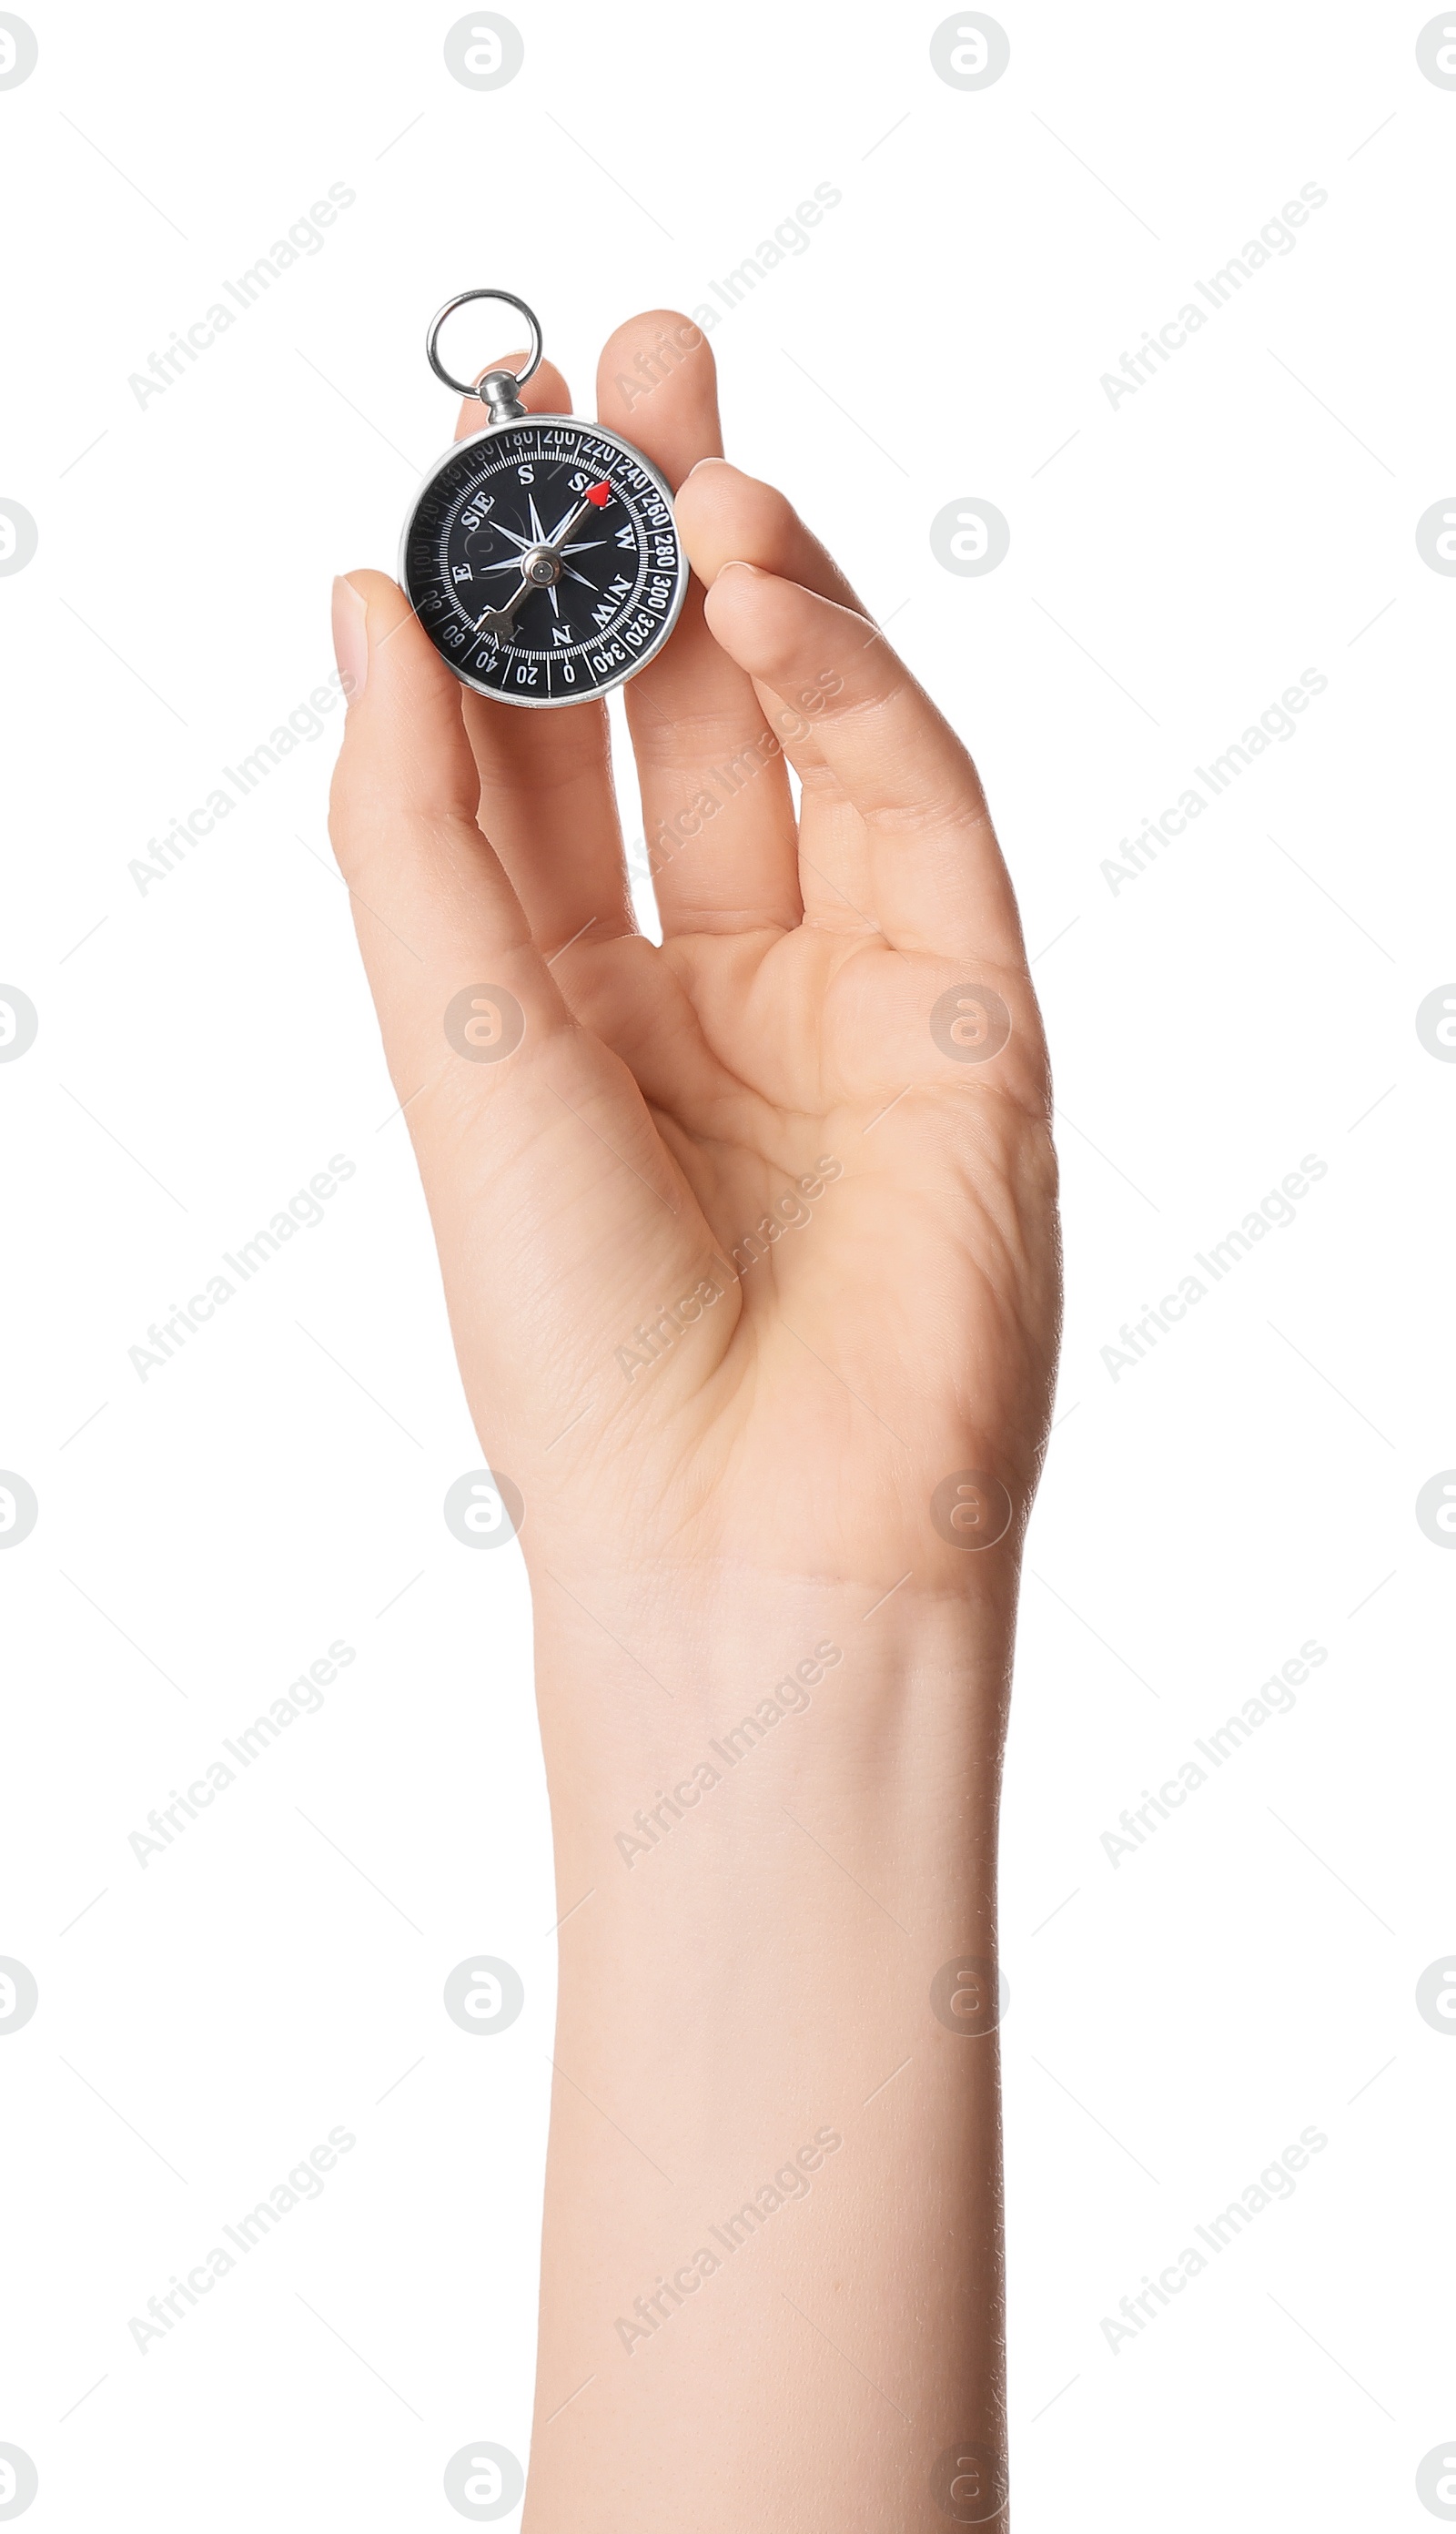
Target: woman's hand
column 748, row 1243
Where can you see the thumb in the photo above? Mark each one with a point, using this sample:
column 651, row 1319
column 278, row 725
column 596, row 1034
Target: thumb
column 434, row 911
column 469, row 1009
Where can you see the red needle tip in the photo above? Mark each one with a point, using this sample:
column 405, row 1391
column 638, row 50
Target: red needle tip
column 600, row 494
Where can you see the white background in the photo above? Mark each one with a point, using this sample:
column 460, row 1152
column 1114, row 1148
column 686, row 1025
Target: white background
column 1177, row 560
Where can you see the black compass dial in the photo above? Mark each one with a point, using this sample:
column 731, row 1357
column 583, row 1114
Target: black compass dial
column 543, row 561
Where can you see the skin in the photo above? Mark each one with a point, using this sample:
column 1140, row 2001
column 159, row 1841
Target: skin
column 747, row 1965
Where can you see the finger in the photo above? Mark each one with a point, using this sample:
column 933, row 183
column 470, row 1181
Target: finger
column 433, row 907
column 725, row 517
column 936, row 877
column 717, row 807
column 546, row 796
column 434, row 912
column 522, row 1120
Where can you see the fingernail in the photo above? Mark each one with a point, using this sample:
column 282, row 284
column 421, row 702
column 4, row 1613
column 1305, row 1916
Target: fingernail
column 699, row 467
column 737, row 565
column 350, row 639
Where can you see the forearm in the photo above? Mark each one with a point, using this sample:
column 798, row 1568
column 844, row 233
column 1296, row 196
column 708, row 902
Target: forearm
column 772, row 2240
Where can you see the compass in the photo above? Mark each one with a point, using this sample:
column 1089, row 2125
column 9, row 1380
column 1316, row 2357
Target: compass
column 541, row 555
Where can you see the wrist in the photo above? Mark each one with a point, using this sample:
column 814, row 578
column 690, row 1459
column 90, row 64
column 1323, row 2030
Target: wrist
column 838, row 1759
column 659, row 1689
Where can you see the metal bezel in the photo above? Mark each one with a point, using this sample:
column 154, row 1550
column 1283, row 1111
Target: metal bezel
column 503, row 694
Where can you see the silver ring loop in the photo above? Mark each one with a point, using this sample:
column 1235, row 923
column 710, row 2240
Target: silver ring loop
column 534, row 358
